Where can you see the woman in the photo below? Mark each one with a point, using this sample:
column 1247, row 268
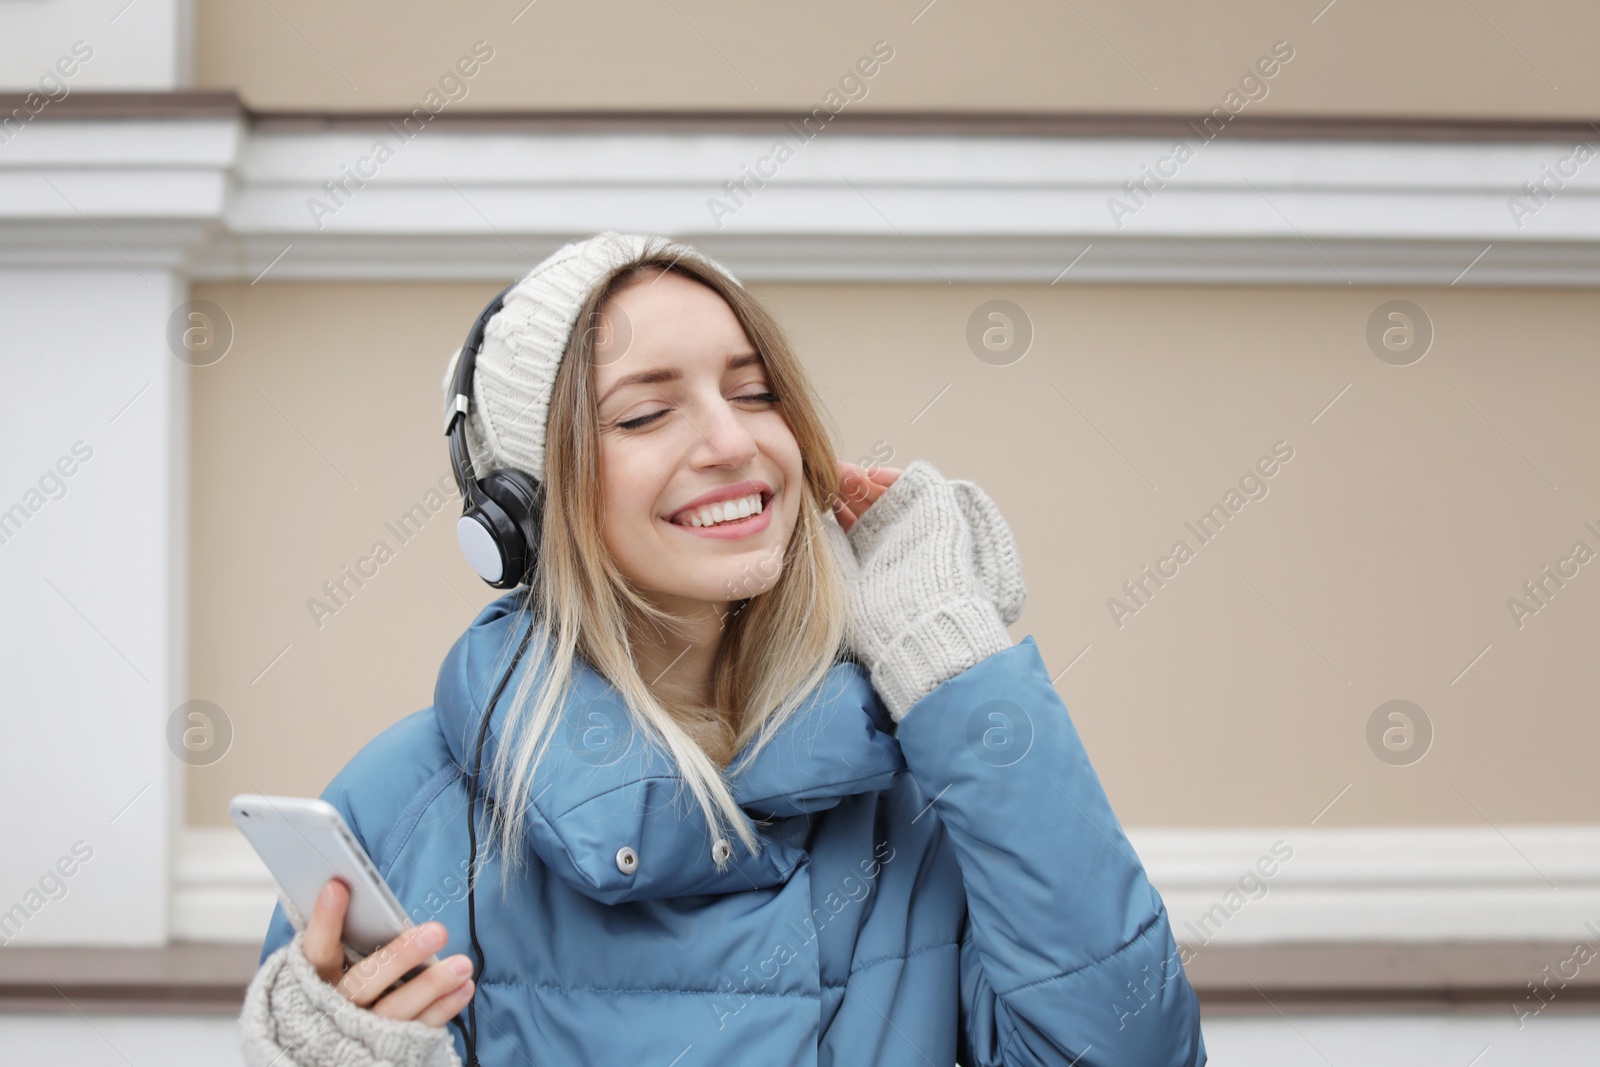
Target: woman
column 897, row 851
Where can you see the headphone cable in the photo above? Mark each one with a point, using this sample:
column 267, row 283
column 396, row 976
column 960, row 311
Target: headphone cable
column 471, row 1037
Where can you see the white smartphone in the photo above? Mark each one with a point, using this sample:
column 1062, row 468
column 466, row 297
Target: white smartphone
column 304, row 842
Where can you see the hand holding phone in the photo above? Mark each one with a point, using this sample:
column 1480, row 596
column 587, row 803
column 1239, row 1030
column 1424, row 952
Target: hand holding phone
column 359, row 938
column 435, row 996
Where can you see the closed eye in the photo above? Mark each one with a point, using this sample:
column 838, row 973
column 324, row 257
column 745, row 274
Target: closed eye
column 645, row 420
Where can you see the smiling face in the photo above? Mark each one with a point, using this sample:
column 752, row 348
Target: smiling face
column 703, row 423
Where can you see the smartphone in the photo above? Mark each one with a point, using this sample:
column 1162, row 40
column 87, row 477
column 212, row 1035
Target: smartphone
column 304, row 842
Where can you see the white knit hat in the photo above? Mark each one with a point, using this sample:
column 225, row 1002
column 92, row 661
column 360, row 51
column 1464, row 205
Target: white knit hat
column 524, row 341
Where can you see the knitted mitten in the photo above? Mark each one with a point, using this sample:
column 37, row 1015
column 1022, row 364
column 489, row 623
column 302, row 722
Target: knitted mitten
column 292, row 1018
column 936, row 581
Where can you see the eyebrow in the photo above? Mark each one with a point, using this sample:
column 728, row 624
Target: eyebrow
column 672, row 374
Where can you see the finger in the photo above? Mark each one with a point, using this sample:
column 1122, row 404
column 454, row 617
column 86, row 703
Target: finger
column 855, row 487
column 364, row 982
column 886, row 476
column 322, row 946
column 437, row 982
column 448, row 1006
column 868, row 494
column 841, row 512
column 880, row 479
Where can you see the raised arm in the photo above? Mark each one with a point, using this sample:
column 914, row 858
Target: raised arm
column 1068, row 957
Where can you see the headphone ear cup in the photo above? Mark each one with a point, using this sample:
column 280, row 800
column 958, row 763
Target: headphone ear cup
column 475, row 533
column 501, row 536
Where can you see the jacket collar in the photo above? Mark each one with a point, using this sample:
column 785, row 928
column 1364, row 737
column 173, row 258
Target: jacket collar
column 603, row 785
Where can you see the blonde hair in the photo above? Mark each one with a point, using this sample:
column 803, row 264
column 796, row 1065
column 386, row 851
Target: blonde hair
column 776, row 646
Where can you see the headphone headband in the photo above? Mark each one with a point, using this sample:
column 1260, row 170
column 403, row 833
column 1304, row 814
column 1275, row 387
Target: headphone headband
column 461, row 383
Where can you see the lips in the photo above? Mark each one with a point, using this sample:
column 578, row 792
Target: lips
column 731, row 530
column 727, row 492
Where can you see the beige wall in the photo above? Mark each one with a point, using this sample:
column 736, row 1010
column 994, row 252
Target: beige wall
column 1378, row 566
column 1482, row 59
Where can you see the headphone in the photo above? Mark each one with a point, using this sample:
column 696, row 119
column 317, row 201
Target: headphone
column 499, row 533
column 502, row 511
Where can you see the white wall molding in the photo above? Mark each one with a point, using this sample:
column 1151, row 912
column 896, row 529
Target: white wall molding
column 1412, row 884
column 116, row 195
column 221, row 889
column 225, row 200
column 1533, row 883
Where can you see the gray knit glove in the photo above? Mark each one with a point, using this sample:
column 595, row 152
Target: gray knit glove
column 934, row 581
column 292, row 1018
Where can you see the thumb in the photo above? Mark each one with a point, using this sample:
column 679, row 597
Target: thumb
column 994, row 550
column 323, row 943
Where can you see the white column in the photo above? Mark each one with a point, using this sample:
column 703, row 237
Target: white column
column 93, row 556
column 120, row 44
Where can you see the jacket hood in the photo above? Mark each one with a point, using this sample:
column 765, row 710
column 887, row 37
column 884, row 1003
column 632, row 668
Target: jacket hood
column 604, row 785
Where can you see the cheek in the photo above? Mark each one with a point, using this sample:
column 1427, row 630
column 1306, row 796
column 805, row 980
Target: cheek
column 630, row 490
column 778, row 442
column 613, row 497
column 793, row 466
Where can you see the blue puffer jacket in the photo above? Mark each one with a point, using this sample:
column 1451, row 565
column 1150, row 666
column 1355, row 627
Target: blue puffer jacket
column 957, row 889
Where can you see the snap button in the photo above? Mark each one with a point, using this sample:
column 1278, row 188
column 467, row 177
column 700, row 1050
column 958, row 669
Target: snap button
column 627, row 860
column 721, row 850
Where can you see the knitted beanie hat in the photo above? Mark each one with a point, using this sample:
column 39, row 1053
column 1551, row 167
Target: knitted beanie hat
column 524, row 341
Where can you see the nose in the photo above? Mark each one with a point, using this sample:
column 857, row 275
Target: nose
column 725, row 439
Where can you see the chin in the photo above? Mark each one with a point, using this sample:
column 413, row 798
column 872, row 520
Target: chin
column 735, row 580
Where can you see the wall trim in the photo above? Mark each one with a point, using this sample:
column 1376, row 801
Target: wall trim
column 1402, row 885
column 221, row 199
column 188, row 978
column 189, row 103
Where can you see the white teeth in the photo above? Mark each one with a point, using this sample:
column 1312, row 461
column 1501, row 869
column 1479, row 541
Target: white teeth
column 723, row 511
